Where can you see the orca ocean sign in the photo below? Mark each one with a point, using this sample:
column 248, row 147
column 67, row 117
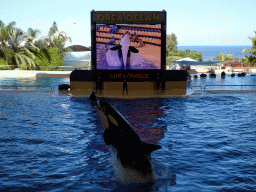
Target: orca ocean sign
column 128, row 17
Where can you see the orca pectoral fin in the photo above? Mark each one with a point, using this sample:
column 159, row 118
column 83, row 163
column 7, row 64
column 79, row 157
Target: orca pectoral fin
column 151, row 147
column 115, row 48
column 133, row 49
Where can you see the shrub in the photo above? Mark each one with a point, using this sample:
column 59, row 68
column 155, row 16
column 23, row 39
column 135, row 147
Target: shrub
column 48, row 59
column 3, row 62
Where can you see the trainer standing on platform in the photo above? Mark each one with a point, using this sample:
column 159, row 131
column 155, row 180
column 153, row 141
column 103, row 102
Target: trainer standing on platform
column 125, row 87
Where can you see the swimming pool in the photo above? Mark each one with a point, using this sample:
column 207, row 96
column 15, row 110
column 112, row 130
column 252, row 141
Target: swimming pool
column 53, row 142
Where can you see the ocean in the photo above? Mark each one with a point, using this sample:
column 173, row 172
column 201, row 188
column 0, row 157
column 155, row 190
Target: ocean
column 213, row 51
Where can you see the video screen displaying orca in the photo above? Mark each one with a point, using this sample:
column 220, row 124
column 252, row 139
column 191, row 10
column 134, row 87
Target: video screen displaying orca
column 130, row 46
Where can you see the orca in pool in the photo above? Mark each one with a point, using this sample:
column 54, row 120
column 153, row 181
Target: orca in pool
column 124, row 50
column 130, row 155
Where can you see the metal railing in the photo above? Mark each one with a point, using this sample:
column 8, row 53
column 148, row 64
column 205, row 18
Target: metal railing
column 205, row 86
column 24, row 86
column 49, row 68
column 229, row 86
column 197, row 86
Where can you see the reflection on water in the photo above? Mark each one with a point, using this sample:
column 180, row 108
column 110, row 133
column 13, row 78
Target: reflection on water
column 138, row 112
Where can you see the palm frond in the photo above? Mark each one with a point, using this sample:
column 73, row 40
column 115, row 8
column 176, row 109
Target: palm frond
column 30, row 61
column 27, row 51
column 222, row 56
column 246, row 51
column 16, row 60
column 33, row 33
column 24, row 60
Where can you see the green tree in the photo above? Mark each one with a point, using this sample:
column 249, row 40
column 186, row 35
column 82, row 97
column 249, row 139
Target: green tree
column 171, row 43
column 5, row 52
column 253, row 49
column 54, row 39
column 48, row 58
column 59, row 40
column 20, row 56
column 53, row 29
column 4, row 32
column 224, row 57
column 41, row 43
column 33, row 32
column 12, row 49
column 251, row 60
column 172, row 56
column 49, row 46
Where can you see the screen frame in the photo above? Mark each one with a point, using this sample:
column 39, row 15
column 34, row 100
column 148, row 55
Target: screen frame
column 104, row 17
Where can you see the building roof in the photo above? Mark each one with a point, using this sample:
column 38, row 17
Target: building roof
column 79, row 48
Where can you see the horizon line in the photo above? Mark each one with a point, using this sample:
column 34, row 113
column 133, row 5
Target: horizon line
column 216, row 45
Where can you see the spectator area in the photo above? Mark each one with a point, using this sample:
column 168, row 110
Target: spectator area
column 150, row 35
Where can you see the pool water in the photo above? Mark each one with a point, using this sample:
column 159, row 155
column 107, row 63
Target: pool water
column 53, row 142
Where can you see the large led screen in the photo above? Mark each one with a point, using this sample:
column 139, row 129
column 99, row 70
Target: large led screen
column 128, row 46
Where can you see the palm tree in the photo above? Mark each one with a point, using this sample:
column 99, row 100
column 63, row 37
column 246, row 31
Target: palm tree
column 4, row 37
column 251, row 60
column 41, row 42
column 1, row 31
column 253, row 49
column 20, row 55
column 33, row 33
column 53, row 29
column 4, row 32
column 59, row 40
column 224, row 57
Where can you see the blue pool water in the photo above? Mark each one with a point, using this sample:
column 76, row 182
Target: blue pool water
column 53, row 142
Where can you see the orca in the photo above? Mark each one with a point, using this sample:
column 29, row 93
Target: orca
column 124, row 51
column 130, row 155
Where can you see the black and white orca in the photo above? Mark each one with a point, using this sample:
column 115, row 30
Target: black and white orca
column 121, row 54
column 130, row 155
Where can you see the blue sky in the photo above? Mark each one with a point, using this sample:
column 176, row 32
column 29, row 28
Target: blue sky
column 198, row 22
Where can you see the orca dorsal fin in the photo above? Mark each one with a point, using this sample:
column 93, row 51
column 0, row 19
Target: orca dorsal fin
column 151, row 147
column 93, row 97
column 116, row 47
column 133, row 49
